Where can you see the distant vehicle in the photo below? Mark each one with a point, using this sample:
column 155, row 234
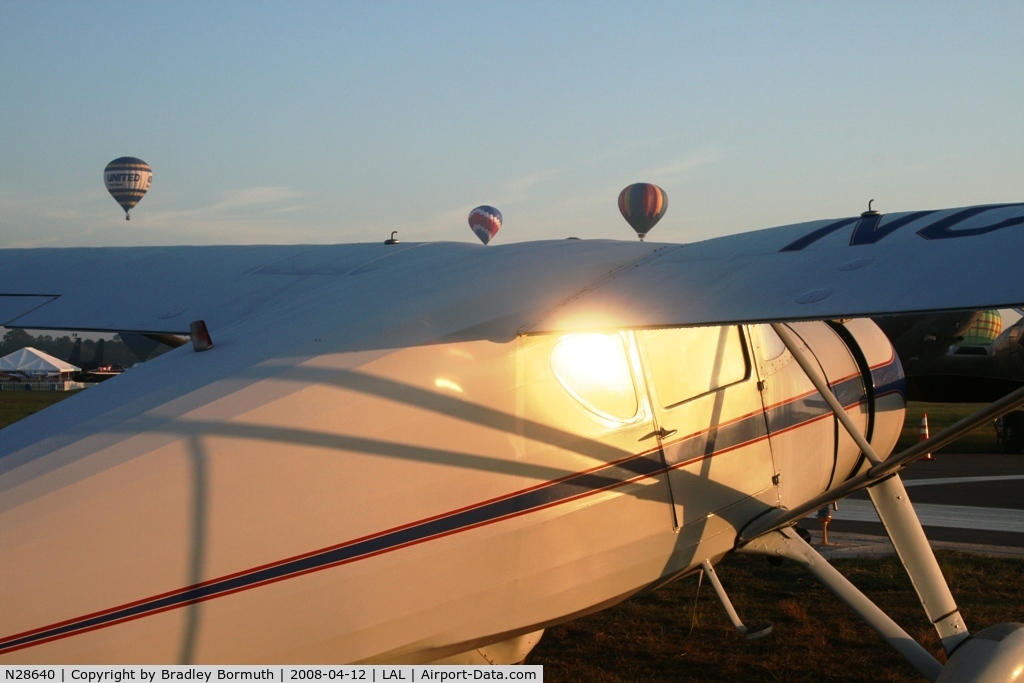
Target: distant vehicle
column 1010, row 432
column 102, row 373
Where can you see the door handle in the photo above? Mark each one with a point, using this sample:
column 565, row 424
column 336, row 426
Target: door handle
column 661, row 434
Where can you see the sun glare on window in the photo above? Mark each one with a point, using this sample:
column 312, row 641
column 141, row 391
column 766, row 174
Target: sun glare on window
column 594, row 369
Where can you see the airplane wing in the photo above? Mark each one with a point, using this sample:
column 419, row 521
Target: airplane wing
column 163, row 289
column 862, row 266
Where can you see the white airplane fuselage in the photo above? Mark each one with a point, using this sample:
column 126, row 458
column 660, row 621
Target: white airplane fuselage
column 408, row 505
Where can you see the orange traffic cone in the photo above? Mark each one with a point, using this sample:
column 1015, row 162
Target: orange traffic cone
column 924, row 436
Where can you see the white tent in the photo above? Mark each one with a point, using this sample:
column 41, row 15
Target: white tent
column 35, row 364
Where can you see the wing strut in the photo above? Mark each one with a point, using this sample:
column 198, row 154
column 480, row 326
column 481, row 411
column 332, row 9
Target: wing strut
column 819, row 382
column 898, row 516
column 779, row 518
column 786, row 543
column 751, row 633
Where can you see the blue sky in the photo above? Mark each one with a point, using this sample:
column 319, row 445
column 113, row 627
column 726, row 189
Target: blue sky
column 269, row 122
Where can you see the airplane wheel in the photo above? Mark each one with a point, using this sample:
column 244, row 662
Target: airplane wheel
column 992, row 654
column 803, row 533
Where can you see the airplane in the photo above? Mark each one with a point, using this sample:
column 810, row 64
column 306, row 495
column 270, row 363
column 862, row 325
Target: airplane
column 431, row 452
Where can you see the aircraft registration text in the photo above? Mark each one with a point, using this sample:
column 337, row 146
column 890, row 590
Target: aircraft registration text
column 868, row 228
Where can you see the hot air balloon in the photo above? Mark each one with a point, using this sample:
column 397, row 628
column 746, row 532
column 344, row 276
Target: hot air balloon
column 985, row 330
column 642, row 205
column 127, row 180
column 485, row 222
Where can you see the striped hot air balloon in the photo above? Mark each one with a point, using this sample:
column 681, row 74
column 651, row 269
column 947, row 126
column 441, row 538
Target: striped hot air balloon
column 127, row 180
column 485, row 221
column 642, row 205
column 985, row 330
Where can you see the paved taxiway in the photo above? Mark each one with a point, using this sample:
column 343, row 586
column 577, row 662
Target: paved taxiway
column 960, row 498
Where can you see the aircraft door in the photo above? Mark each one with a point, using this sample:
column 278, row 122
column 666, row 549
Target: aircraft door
column 803, row 432
column 710, row 424
column 583, row 408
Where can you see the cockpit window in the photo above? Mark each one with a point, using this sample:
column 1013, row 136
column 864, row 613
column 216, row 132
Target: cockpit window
column 688, row 362
column 771, row 345
column 595, row 370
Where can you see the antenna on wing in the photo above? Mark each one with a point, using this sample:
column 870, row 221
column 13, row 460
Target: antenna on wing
column 201, row 340
column 870, row 212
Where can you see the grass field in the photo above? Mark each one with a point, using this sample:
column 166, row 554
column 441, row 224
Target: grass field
column 679, row 633
column 15, row 405
column 942, row 415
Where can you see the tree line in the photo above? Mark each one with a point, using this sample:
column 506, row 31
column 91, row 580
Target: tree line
column 90, row 353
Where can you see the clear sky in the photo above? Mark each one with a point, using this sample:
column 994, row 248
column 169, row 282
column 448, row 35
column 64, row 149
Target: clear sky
column 274, row 122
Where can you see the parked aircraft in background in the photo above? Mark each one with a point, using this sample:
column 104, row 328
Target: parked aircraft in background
column 942, row 366
column 431, row 452
column 946, row 360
